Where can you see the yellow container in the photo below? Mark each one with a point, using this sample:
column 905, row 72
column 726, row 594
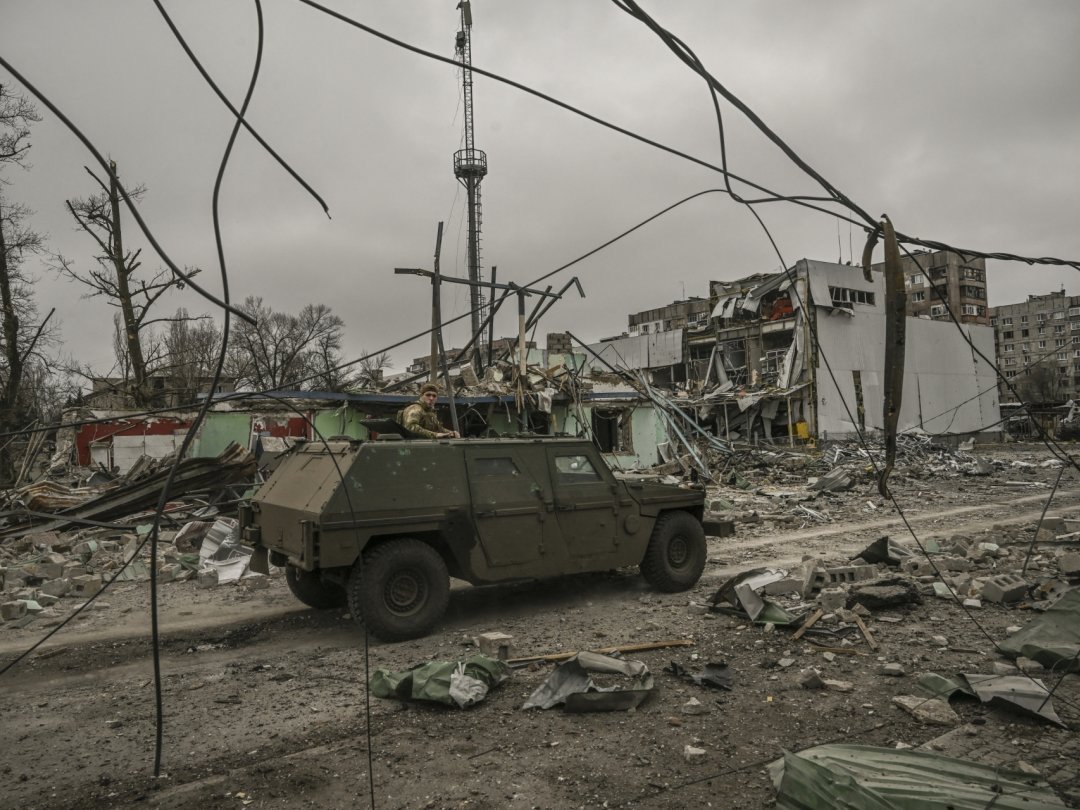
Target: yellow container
column 802, row 429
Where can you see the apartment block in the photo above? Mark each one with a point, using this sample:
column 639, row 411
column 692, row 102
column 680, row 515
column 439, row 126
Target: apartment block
column 1037, row 344
column 934, row 278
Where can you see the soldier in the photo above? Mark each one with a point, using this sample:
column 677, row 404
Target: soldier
column 420, row 417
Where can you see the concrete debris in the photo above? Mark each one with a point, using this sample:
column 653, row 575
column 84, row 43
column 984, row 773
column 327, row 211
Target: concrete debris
column 931, row 711
column 1005, row 588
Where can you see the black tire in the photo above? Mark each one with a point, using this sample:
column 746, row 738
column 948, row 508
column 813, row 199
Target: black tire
column 399, row 589
column 309, row 588
column 676, row 554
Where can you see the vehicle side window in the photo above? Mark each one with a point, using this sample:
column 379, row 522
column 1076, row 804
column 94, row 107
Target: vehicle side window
column 575, row 470
column 496, row 467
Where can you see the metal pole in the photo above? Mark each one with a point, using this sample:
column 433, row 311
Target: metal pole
column 435, row 293
column 435, row 282
column 491, row 318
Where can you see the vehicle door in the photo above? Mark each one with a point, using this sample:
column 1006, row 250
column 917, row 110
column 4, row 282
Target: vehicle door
column 507, row 506
column 586, row 503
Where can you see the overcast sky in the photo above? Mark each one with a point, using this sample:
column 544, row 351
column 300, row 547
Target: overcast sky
column 960, row 120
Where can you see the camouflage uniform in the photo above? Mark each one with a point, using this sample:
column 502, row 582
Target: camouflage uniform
column 420, row 418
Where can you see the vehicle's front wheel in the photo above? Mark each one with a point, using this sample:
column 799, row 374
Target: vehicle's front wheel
column 399, row 589
column 676, row 554
column 309, row 588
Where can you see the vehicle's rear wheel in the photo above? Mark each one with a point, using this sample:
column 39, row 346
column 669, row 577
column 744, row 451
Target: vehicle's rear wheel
column 676, row 554
column 399, row 589
column 309, row 588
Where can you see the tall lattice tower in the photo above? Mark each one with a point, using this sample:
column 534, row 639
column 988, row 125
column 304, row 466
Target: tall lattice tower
column 470, row 165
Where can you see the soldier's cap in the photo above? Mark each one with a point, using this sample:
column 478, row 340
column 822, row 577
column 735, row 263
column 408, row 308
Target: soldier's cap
column 429, row 388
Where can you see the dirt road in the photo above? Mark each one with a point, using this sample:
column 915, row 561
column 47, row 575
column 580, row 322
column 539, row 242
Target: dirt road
column 264, row 701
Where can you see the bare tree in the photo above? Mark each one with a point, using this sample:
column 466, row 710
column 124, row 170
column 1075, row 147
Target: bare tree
column 192, row 346
column 371, row 370
column 283, row 351
column 1041, row 383
column 23, row 335
column 139, row 352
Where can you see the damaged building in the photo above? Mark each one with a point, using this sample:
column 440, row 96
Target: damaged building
column 800, row 355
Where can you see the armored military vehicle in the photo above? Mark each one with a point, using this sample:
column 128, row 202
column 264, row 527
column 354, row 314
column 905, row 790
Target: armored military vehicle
column 382, row 525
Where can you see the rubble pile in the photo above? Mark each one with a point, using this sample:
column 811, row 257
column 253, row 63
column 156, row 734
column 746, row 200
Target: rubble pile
column 60, row 544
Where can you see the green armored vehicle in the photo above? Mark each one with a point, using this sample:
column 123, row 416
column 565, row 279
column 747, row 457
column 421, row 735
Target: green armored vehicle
column 383, row 525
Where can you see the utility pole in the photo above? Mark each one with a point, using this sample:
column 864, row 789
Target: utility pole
column 470, row 166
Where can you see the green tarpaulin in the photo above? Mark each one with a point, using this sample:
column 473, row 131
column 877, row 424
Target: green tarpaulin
column 864, row 777
column 455, row 683
column 1053, row 639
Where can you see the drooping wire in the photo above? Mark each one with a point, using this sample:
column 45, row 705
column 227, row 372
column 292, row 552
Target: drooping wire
column 176, row 271
column 244, row 122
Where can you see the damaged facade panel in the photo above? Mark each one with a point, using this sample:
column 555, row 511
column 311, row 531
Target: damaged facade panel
column 948, row 388
column 774, row 334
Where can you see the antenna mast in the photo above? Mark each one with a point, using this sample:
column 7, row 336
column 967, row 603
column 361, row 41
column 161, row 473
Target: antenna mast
column 470, row 166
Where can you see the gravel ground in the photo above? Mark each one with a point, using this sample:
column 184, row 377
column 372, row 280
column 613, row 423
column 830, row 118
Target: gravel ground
column 264, row 701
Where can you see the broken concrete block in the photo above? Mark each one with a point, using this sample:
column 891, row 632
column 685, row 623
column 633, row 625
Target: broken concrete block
column 1055, row 524
column 46, row 570
column 46, row 599
column 495, row 645
column 811, row 679
column 942, row 590
column 784, row 586
column 32, row 606
column 74, row 569
column 917, row 566
column 814, row 579
column 933, row 712
column 85, row 585
column 940, row 641
column 972, row 603
column 1005, row 588
column 955, row 564
column 254, row 583
column 10, row 611
column 832, row 599
column 56, row 587
column 784, row 663
column 1001, row 668
column 207, row 578
column 893, row 670
column 1069, row 564
column 887, row 594
column 851, row 573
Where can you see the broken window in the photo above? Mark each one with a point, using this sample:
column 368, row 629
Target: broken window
column 575, row 470
column 918, row 296
column 937, row 310
column 844, row 296
column 611, row 429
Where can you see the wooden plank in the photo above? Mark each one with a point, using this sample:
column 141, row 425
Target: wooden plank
column 810, row 622
column 624, row 648
column 866, row 632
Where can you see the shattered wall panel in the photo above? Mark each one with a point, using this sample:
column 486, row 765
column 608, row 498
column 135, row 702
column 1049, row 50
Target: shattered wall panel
column 656, row 350
column 947, row 388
